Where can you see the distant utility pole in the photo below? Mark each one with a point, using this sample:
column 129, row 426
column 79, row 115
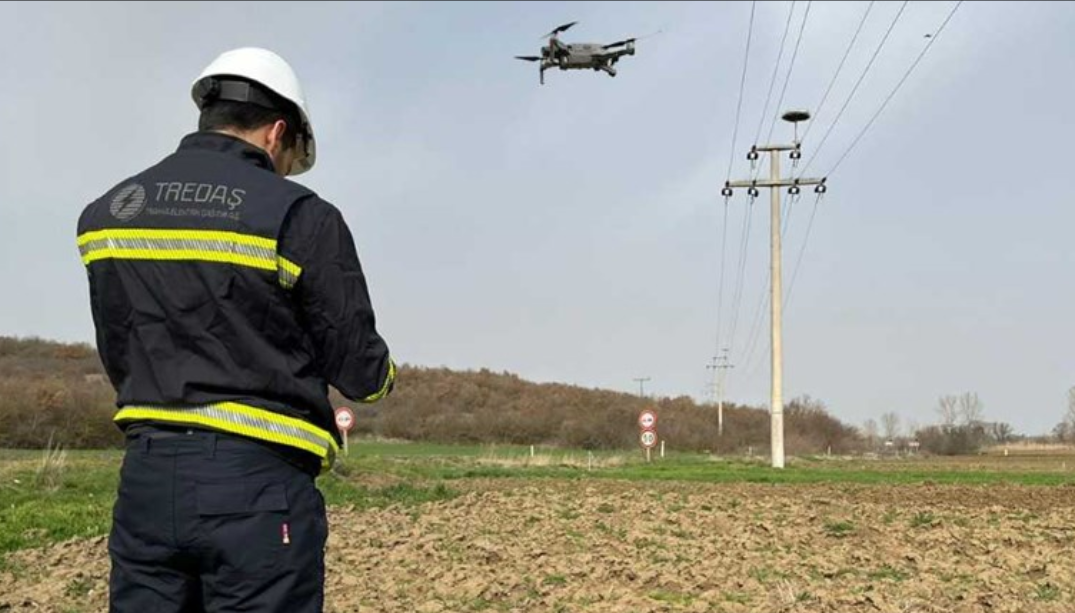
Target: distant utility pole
column 775, row 183
column 719, row 367
column 641, row 389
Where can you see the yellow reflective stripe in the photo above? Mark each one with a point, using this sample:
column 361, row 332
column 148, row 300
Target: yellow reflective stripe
column 244, row 420
column 289, row 272
column 188, row 245
column 381, row 393
column 206, row 235
column 178, row 254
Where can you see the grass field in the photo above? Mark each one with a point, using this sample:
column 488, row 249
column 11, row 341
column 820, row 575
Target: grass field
column 440, row 528
column 43, row 506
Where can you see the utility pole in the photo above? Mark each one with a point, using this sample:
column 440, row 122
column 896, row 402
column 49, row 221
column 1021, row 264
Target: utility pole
column 641, row 380
column 775, row 183
column 719, row 367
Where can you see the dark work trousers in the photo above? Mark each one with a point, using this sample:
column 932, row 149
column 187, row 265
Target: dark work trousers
column 214, row 523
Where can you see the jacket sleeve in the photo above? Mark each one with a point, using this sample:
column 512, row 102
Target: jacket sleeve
column 333, row 301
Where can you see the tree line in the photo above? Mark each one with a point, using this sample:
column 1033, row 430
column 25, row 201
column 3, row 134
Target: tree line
column 58, row 391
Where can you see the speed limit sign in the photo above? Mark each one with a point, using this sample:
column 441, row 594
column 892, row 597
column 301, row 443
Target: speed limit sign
column 648, row 438
column 345, row 419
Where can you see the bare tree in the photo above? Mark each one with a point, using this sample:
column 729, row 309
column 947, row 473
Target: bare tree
column 948, row 408
column 1062, row 431
column 890, row 425
column 1001, row 432
column 869, row 429
column 970, row 407
column 1070, row 416
column 911, row 428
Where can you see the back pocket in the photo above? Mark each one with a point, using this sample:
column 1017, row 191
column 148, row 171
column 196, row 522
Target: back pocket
column 245, row 525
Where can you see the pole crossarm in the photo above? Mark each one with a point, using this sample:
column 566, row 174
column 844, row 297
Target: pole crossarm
column 791, row 147
column 776, row 183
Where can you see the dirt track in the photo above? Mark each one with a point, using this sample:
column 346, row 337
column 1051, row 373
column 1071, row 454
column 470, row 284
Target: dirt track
column 610, row 546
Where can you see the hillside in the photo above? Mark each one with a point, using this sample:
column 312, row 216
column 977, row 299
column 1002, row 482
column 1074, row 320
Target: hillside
column 50, row 389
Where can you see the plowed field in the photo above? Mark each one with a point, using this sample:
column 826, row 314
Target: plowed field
column 598, row 546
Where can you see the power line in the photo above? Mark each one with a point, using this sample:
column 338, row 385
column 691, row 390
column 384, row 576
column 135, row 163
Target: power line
column 742, row 85
column 828, row 90
column 737, row 297
column 763, row 298
column 850, row 96
column 932, row 40
column 755, row 331
column 802, row 249
column 817, row 202
column 791, row 66
column 731, row 159
column 776, row 67
column 813, row 214
column 720, row 291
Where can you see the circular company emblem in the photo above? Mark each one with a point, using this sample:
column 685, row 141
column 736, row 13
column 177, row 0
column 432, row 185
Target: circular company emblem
column 129, row 202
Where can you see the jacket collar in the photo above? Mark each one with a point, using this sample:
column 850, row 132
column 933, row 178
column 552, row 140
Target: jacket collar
column 228, row 145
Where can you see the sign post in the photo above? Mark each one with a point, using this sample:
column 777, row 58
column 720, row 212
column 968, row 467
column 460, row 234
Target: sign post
column 345, row 420
column 647, row 421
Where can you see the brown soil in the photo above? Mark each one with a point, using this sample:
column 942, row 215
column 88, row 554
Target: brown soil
column 633, row 547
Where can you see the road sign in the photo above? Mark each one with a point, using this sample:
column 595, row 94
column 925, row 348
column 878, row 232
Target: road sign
column 648, row 438
column 345, row 419
column 647, row 419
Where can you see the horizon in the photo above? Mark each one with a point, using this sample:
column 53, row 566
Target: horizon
column 572, row 232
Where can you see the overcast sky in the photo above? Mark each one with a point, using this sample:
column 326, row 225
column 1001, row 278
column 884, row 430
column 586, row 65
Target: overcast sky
column 573, row 232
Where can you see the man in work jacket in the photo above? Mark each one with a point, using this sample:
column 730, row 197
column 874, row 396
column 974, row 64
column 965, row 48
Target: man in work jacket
column 226, row 299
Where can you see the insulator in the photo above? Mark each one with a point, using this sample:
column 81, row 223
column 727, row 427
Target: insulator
column 796, row 154
column 752, row 192
column 753, row 155
column 726, row 192
column 820, row 189
column 794, row 190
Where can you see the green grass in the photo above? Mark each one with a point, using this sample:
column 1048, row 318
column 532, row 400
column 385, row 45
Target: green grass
column 839, row 529
column 671, row 597
column 77, row 500
column 923, row 519
column 80, row 504
column 888, row 573
column 555, row 580
column 451, row 462
column 1046, row 592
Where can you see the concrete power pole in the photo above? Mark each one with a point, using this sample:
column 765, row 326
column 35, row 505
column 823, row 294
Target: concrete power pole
column 719, row 367
column 641, row 389
column 775, row 183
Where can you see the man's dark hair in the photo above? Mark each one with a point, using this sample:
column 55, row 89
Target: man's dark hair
column 222, row 114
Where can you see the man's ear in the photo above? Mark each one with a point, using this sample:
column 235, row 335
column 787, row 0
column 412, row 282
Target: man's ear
column 276, row 136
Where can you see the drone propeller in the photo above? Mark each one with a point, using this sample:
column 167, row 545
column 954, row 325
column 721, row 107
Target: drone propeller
column 619, row 43
column 528, row 58
column 626, row 41
column 560, row 29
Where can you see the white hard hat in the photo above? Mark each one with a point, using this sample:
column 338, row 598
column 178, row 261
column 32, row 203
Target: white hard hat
column 271, row 71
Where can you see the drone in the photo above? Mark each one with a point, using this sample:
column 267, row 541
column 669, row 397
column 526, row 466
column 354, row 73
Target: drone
column 579, row 56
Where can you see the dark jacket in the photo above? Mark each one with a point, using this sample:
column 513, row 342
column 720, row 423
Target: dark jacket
column 228, row 298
